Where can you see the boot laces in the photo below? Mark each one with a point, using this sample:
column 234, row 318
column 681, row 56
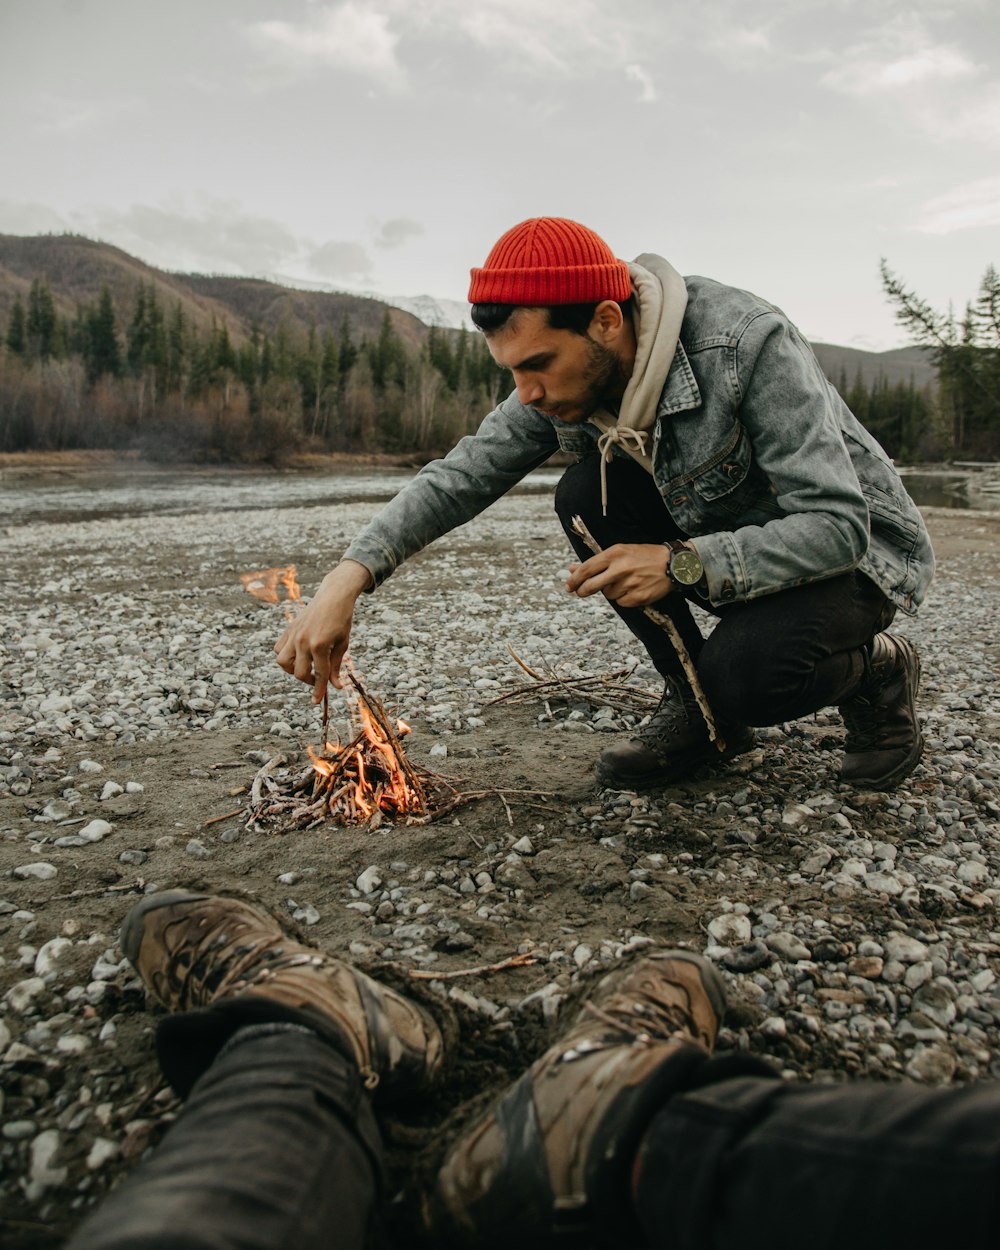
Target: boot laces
column 672, row 716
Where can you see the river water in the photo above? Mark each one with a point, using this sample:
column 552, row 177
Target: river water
column 124, row 492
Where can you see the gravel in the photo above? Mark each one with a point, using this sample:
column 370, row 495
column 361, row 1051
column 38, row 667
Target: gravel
column 857, row 932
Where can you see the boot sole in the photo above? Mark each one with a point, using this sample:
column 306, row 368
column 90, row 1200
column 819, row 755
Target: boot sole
column 133, row 926
column 678, row 768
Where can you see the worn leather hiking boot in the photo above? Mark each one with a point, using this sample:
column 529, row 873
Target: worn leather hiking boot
column 671, row 745
column 554, row 1155
column 194, row 950
column 884, row 742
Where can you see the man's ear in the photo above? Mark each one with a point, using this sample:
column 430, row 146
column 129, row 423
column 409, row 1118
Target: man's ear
column 607, row 322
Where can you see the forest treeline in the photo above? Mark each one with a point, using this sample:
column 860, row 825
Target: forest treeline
column 151, row 381
column 146, row 379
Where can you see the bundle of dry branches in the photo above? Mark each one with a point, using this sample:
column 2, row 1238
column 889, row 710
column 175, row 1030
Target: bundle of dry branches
column 598, row 689
column 361, row 784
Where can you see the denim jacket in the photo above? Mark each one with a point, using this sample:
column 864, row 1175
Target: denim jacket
column 756, row 457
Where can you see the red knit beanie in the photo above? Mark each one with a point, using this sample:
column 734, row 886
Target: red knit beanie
column 550, row 260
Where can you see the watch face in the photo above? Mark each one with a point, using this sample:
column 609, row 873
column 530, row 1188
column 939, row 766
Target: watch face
column 686, row 567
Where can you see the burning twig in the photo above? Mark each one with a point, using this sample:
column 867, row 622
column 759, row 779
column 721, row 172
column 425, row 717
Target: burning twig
column 366, row 781
column 515, row 961
column 667, row 625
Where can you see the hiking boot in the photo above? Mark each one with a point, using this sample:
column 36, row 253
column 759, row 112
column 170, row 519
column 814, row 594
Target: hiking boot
column 884, row 742
column 671, row 745
column 193, row 950
column 554, row 1155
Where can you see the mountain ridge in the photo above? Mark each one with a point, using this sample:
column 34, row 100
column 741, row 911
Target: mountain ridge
column 77, row 267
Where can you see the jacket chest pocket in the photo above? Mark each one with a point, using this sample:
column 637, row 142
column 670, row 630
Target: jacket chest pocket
column 574, row 442
column 729, row 483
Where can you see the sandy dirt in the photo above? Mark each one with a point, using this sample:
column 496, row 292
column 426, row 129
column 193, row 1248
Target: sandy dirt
column 572, row 890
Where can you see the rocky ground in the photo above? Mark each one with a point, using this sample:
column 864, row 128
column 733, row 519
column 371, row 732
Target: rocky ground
column 857, row 932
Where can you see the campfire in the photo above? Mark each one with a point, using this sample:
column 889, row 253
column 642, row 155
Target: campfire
column 362, row 783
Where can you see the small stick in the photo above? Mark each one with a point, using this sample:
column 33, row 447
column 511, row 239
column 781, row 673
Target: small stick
column 137, row 884
column 667, row 625
column 228, row 816
column 515, row 961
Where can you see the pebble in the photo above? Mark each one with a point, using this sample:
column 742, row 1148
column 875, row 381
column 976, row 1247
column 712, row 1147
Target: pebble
column 39, row 871
column 369, row 880
column 730, row 929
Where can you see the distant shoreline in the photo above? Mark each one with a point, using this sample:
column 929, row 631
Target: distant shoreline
column 37, row 464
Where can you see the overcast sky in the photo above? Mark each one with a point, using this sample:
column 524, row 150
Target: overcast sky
column 384, row 145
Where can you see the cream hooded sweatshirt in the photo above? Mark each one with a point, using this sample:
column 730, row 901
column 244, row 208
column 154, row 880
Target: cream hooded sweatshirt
column 661, row 296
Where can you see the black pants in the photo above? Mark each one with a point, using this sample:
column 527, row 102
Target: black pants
column 770, row 660
column 276, row 1149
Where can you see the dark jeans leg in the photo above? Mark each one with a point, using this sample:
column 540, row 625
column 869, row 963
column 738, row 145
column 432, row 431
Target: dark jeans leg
column 770, row 660
column 791, row 653
column 757, row 1164
column 275, row 1148
column 636, row 514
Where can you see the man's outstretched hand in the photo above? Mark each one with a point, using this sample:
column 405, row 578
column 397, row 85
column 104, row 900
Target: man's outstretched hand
column 633, row 575
column 313, row 646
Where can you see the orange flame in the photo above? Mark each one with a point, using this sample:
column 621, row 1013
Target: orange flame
column 264, row 585
column 377, row 775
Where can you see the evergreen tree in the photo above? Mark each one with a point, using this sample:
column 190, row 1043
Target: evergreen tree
column 41, row 322
column 388, row 357
column 347, row 352
column 967, row 354
column 176, row 350
column 103, row 355
column 17, row 330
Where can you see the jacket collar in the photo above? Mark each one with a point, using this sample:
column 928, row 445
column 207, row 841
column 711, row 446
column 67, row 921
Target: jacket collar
column 680, row 391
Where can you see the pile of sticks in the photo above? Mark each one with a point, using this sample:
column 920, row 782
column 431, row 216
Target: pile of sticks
column 361, row 783
column 598, row 689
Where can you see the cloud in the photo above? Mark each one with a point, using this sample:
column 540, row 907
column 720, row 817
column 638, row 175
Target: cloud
column 970, row 206
column 21, row 217
column 897, row 58
column 216, row 235
column 64, row 115
column 340, row 260
column 396, row 231
column 348, row 36
column 563, row 37
column 647, row 92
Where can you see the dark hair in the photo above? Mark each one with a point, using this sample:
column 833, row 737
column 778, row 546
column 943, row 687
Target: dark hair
column 573, row 317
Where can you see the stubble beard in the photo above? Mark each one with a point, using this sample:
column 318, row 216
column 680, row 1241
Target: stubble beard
column 604, row 382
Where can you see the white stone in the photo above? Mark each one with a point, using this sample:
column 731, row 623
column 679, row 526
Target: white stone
column 101, row 1152
column 369, row 880
column 96, row 830
column 73, row 1044
column 582, row 955
column 43, row 1150
column 905, row 949
column 91, row 766
column 111, row 790
column 38, row 871
column 50, row 955
column 730, row 930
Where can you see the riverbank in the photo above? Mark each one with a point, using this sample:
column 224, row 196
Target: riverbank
column 857, row 933
column 40, row 465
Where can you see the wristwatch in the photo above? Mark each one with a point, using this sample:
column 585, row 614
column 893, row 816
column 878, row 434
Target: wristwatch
column 684, row 566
